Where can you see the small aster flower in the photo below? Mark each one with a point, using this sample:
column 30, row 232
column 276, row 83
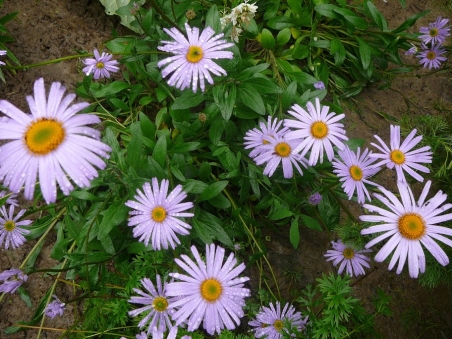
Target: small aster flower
column 156, row 214
column 412, row 50
column 2, row 53
column 266, row 134
column 12, row 280
column 351, row 260
column 315, row 199
column 435, row 33
column 319, row 130
column 281, row 151
column 193, row 57
column 100, row 65
column 211, row 291
column 53, row 141
column 401, row 156
column 319, row 85
column 431, row 56
column 11, row 230
column 270, row 322
column 354, row 172
column 409, row 224
column 54, row 308
column 156, row 302
column 11, row 200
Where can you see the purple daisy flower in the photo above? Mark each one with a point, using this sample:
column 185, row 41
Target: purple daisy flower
column 409, row 224
column 315, row 199
column 54, row 308
column 401, row 156
column 193, row 57
column 267, row 134
column 351, row 260
column 319, row 85
column 354, row 171
column 156, row 302
column 2, row 53
column 100, row 65
column 318, row 129
column 156, row 214
column 431, row 56
column 11, row 200
column 211, row 291
column 12, row 280
column 270, row 322
column 435, row 33
column 53, row 141
column 12, row 231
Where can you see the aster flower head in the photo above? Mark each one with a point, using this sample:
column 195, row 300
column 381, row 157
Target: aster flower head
column 53, row 142
column 281, row 151
column 156, row 303
column 409, row 224
column 412, row 50
column 353, row 171
column 315, row 199
column 431, row 57
column 2, row 53
column 211, row 291
column 192, row 60
column 271, row 322
column 267, row 133
column 401, row 156
column 319, row 85
column 156, row 214
column 319, row 130
column 54, row 308
column 12, row 280
column 101, row 65
column 436, row 32
column 351, row 260
column 11, row 200
column 11, row 230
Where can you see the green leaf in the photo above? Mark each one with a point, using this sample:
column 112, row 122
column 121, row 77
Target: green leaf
column 185, row 147
column 251, row 98
column 216, row 131
column 280, row 22
column 188, row 99
column 212, row 190
column 351, row 17
column 365, row 53
column 263, row 85
column 250, row 72
column 311, row 222
column 160, row 150
column 320, row 43
column 283, row 37
column 134, row 150
column 147, row 126
column 410, row 22
column 294, row 233
column 354, row 143
column 338, row 50
column 110, row 89
column 213, row 19
column 114, row 215
column 300, row 52
column 280, row 214
column 376, row 15
column 327, row 10
column 267, row 39
column 225, row 100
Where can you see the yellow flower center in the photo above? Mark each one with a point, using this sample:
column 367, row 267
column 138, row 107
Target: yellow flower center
column 211, row 290
column 194, row 54
column 434, row 32
column 100, row 65
column 158, row 214
column 397, row 157
column 9, row 225
column 160, row 304
column 356, row 173
column 283, row 149
column 44, row 136
column 319, row 130
column 411, row 226
column 348, row 253
column 431, row 55
column 278, row 325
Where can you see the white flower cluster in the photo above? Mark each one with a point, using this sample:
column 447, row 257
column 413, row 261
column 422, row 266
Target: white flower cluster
column 243, row 13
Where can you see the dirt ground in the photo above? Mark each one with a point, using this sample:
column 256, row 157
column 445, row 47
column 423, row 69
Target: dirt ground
column 48, row 29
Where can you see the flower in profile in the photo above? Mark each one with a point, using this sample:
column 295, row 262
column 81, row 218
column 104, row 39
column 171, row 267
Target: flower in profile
column 412, row 50
column 2, row 53
column 351, row 260
column 435, row 33
column 54, row 308
column 354, row 171
column 156, row 214
column 409, row 224
column 101, row 65
column 401, row 156
column 266, row 134
column 11, row 200
column 52, row 142
column 211, row 291
column 11, row 230
column 319, row 85
column 431, row 56
column 319, row 130
column 12, row 280
column 271, row 323
column 156, row 302
column 192, row 60
column 315, row 199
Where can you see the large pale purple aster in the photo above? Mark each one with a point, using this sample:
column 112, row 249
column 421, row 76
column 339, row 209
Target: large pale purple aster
column 156, row 214
column 409, row 224
column 101, row 65
column 318, row 129
column 349, row 259
column 192, row 60
column 267, row 133
column 155, row 303
column 211, row 292
column 270, row 321
column 435, row 33
column 53, row 142
column 11, row 230
column 431, row 57
column 401, row 156
column 12, row 280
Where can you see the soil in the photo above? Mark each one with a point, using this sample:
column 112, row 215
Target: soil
column 49, row 29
